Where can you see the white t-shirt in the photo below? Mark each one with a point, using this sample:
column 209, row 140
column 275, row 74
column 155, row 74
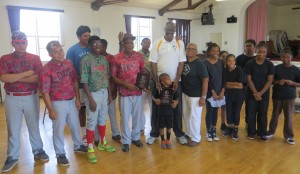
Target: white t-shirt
column 167, row 55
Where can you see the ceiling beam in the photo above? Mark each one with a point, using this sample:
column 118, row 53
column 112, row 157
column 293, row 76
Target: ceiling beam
column 190, row 6
column 98, row 3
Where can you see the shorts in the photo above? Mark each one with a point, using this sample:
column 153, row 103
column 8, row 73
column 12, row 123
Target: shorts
column 165, row 121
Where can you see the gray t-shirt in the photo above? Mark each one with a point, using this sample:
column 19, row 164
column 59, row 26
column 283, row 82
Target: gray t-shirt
column 215, row 76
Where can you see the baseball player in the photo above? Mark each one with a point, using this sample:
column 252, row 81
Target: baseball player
column 20, row 73
column 59, row 86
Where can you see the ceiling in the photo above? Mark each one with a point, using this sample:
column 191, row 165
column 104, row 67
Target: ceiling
column 284, row 2
column 158, row 4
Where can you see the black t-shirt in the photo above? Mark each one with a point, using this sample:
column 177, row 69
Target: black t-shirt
column 259, row 75
column 288, row 73
column 241, row 61
column 193, row 74
column 215, row 76
column 166, row 109
column 237, row 75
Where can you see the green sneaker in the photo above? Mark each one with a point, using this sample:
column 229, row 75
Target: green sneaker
column 91, row 155
column 106, row 147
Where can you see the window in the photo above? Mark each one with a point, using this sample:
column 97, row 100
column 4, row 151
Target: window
column 40, row 27
column 182, row 29
column 141, row 28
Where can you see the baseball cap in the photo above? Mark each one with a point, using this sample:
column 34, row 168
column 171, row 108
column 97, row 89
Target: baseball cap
column 18, row 35
column 53, row 44
column 126, row 36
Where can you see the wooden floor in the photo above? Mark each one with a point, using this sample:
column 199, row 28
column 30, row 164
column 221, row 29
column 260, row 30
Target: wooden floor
column 225, row 156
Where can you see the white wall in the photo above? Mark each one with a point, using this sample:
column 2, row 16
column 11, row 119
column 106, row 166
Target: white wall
column 232, row 33
column 284, row 18
column 110, row 20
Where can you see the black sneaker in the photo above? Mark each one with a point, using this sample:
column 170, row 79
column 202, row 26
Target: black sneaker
column 235, row 134
column 223, row 127
column 290, row 141
column 264, row 138
column 227, row 132
column 269, row 135
column 9, row 164
column 82, row 148
column 96, row 143
column 125, row 147
column 116, row 138
column 138, row 143
column 63, row 160
column 42, row 155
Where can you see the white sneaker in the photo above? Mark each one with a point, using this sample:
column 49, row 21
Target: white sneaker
column 208, row 137
column 216, row 138
column 182, row 140
column 151, row 140
column 290, row 141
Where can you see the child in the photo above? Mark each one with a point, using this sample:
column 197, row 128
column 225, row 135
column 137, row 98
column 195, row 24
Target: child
column 233, row 80
column 214, row 67
column 222, row 56
column 241, row 61
column 165, row 111
column 286, row 79
column 95, row 78
column 59, row 86
column 260, row 73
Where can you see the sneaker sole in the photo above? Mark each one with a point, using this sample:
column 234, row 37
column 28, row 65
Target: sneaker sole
column 107, row 150
column 61, row 164
column 7, row 170
column 44, row 160
column 116, row 140
column 209, row 140
column 80, row 151
column 93, row 162
column 182, row 143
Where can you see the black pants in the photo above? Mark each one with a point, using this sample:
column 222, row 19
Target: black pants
column 177, row 119
column 211, row 116
column 233, row 110
column 257, row 112
column 246, row 104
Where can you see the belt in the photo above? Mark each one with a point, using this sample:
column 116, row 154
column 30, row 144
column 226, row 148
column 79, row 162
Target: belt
column 21, row 93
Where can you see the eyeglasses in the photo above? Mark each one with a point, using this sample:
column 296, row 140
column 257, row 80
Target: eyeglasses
column 191, row 49
column 97, row 44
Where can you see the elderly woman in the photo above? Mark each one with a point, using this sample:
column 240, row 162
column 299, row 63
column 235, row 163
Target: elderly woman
column 194, row 87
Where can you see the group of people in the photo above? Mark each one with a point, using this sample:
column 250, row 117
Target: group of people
column 81, row 88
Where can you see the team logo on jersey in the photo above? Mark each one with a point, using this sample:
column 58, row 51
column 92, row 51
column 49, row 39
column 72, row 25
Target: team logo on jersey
column 64, row 73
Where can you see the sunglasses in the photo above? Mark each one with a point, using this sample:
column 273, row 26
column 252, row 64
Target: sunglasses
column 20, row 42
